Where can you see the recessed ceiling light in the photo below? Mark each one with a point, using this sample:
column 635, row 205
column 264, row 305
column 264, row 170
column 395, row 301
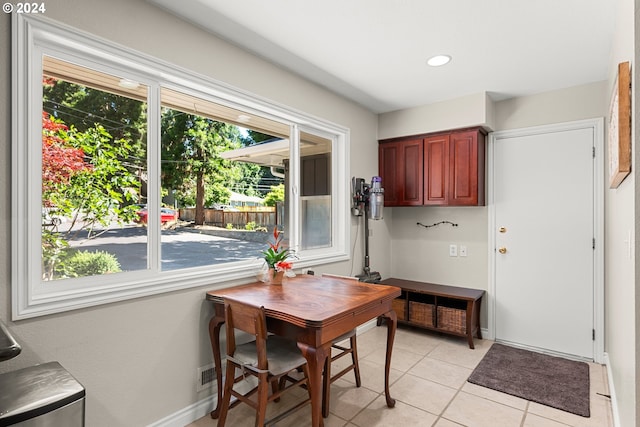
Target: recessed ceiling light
column 438, row 60
column 243, row 118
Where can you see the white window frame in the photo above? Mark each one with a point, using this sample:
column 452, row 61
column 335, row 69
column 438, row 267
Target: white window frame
column 34, row 36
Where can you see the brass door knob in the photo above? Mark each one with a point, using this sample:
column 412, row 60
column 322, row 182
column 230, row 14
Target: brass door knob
column 502, row 250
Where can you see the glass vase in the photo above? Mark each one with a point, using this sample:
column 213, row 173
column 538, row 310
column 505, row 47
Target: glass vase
column 275, row 277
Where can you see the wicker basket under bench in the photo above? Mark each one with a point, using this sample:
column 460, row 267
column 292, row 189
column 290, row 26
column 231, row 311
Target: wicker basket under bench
column 448, row 309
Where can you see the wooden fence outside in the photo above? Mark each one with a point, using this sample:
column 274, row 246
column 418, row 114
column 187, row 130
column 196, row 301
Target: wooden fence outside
column 220, row 218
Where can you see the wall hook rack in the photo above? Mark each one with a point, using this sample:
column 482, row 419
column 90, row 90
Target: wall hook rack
column 453, row 224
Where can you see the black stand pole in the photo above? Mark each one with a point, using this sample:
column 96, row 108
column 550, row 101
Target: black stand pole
column 367, row 269
column 367, row 276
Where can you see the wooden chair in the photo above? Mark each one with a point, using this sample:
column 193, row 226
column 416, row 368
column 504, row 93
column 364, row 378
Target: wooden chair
column 269, row 358
column 328, row 378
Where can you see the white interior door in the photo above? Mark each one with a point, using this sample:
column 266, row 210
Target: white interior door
column 544, row 230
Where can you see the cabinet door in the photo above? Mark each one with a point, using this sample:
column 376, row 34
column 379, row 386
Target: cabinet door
column 466, row 168
column 436, row 172
column 401, row 171
column 411, row 172
column 387, row 160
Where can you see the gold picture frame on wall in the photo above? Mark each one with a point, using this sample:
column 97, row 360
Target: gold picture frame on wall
column 620, row 127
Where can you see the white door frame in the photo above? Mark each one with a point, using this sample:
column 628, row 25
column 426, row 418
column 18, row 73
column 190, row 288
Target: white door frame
column 599, row 182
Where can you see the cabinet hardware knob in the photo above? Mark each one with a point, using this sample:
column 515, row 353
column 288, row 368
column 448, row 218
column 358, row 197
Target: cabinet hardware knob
column 502, row 250
column 502, row 229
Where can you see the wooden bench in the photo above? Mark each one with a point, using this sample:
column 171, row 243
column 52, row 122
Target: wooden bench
column 447, row 309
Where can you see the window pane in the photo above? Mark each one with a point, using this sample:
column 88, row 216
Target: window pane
column 223, row 172
column 93, row 169
column 315, row 181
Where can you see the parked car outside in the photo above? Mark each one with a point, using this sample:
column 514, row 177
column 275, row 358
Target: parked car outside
column 167, row 216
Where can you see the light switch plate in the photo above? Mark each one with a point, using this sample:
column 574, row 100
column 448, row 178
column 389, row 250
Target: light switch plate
column 453, row 250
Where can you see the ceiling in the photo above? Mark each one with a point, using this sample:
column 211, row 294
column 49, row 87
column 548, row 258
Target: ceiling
column 374, row 51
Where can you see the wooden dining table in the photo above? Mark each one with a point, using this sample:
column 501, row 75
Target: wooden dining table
column 314, row 311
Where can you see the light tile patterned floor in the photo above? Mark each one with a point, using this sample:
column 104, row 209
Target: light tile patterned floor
column 429, row 382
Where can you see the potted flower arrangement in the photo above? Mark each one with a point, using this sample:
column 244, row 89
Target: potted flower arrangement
column 277, row 258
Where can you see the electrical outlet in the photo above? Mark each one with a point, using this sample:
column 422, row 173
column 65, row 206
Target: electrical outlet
column 463, row 250
column 453, row 250
column 205, row 377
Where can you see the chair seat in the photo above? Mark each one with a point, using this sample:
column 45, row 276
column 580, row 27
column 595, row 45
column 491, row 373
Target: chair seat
column 267, row 358
column 283, row 355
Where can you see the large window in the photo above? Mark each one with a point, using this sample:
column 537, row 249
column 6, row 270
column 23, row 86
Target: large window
column 132, row 177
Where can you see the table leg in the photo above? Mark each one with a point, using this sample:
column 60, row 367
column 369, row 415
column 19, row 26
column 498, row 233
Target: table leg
column 392, row 322
column 215, row 324
column 316, row 358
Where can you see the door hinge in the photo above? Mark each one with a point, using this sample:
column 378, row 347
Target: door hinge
column 593, row 151
column 593, row 243
column 593, row 334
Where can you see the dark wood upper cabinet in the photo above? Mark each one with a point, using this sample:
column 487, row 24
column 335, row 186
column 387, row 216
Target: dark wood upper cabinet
column 445, row 169
column 466, row 168
column 400, row 165
column 436, row 170
column 388, row 159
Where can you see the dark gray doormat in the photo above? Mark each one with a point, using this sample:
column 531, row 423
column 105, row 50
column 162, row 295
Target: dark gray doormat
column 553, row 381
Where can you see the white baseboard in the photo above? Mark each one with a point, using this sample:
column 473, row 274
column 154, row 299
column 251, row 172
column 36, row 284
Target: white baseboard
column 187, row 415
column 612, row 392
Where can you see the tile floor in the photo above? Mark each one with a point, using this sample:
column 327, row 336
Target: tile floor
column 429, row 382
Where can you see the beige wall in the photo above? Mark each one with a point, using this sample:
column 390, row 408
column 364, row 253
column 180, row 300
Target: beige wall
column 622, row 305
column 420, row 253
column 632, row 366
column 564, row 105
column 471, row 110
column 138, row 358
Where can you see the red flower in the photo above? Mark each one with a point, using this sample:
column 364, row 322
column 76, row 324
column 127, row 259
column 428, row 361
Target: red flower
column 277, row 238
column 284, row 266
